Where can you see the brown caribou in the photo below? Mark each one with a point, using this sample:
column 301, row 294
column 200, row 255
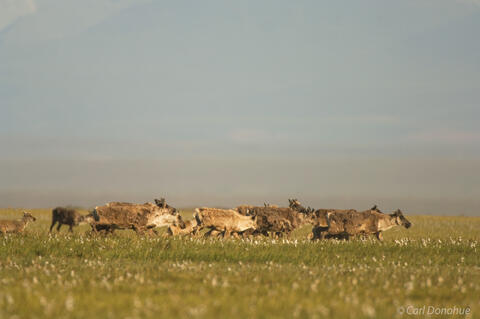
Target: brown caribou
column 275, row 220
column 224, row 221
column 16, row 226
column 139, row 217
column 346, row 224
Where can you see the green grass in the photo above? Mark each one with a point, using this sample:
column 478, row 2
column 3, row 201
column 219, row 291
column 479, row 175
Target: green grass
column 435, row 263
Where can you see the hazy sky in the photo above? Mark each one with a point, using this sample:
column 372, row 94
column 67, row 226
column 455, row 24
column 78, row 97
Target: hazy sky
column 339, row 103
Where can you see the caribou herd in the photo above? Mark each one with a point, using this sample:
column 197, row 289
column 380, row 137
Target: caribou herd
column 242, row 221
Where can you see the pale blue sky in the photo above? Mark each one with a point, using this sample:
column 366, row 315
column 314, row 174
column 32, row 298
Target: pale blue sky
column 338, row 102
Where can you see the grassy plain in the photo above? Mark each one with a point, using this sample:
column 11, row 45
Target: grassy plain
column 434, row 263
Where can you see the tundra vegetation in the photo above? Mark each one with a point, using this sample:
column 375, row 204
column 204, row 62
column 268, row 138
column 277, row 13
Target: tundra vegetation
column 73, row 275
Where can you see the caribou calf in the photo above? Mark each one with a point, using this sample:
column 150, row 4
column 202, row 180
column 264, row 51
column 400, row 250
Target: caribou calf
column 16, row 226
column 188, row 227
column 68, row 216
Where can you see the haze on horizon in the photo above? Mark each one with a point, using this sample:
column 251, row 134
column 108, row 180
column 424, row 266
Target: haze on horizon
column 341, row 104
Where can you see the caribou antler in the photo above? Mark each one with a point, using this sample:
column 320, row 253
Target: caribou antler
column 161, row 202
